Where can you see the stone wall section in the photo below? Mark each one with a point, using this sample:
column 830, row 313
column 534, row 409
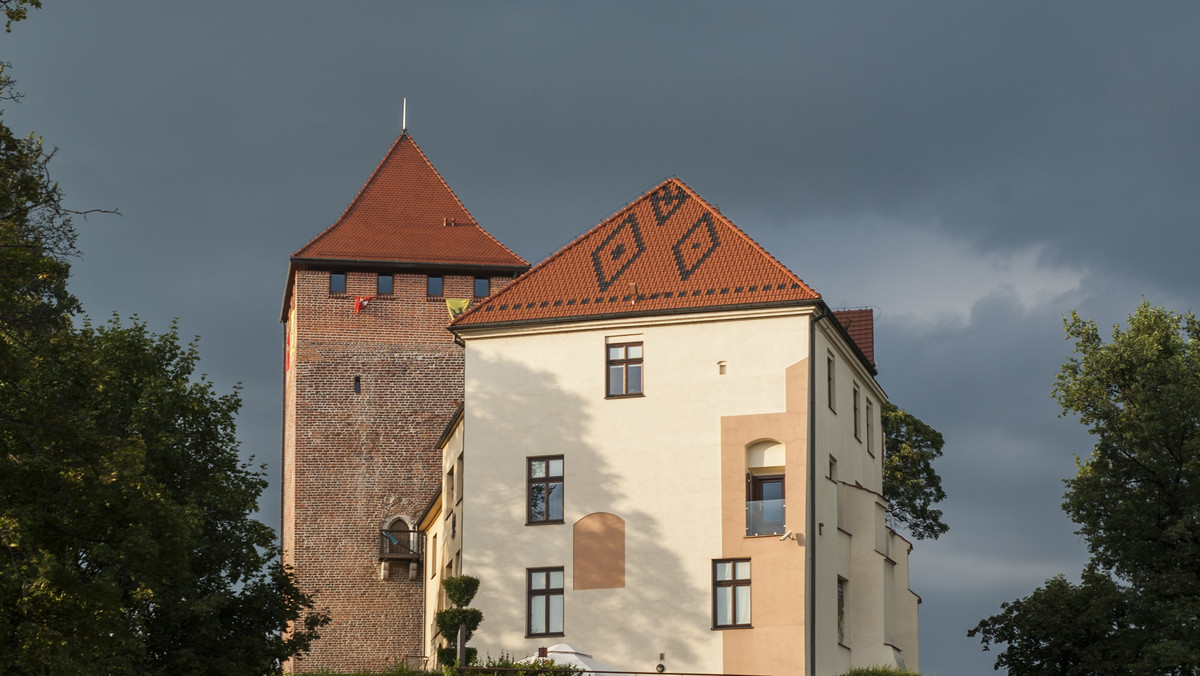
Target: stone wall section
column 353, row 461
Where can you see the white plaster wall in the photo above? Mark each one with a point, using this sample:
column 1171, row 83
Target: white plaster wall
column 652, row 460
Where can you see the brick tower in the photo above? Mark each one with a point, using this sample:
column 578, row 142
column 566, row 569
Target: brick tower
column 371, row 377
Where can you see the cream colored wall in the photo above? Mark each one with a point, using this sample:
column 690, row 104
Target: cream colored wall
column 441, row 548
column 655, row 461
column 854, row 542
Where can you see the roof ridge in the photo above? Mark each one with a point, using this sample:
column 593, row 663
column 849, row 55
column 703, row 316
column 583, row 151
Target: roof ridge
column 743, row 234
column 453, row 194
column 566, row 247
column 363, row 188
column 373, row 179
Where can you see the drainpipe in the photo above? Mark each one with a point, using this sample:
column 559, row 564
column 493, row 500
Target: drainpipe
column 813, row 535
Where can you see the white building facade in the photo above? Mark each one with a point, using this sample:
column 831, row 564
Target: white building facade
column 670, row 454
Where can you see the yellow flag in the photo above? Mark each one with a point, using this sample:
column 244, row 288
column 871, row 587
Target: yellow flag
column 457, row 306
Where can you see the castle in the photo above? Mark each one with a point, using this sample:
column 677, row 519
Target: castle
column 659, row 444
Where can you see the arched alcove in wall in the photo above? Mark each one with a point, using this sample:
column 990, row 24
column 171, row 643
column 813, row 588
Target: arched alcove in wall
column 765, row 483
column 599, row 551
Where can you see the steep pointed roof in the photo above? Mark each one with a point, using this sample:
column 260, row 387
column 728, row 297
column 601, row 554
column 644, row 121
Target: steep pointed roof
column 668, row 251
column 406, row 213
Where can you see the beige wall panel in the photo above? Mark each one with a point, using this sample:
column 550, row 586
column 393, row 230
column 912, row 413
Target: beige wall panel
column 599, row 559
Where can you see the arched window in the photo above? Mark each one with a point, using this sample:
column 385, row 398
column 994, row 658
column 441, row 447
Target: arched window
column 399, row 541
column 765, row 497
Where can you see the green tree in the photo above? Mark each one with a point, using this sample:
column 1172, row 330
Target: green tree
column 910, row 483
column 1136, row 499
column 460, row 590
column 127, row 544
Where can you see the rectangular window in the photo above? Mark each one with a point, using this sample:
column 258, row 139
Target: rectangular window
column 384, row 285
column 841, row 610
column 765, row 505
column 433, row 285
column 870, row 428
column 483, row 287
column 833, row 468
column 624, row 369
column 337, row 282
column 731, row 593
column 545, row 602
column 829, row 389
column 545, row 481
column 857, row 414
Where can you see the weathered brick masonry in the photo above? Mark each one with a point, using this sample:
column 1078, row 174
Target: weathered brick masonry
column 358, row 460
column 366, row 396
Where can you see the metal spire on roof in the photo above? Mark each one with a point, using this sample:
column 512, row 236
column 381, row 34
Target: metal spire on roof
column 404, row 115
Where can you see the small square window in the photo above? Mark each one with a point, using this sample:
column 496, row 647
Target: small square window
column 337, row 282
column 384, row 285
column 731, row 593
column 544, row 593
column 624, row 369
column 483, row 287
column 433, row 286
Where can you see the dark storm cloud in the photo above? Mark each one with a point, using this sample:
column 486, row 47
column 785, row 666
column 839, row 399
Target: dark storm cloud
column 1025, row 158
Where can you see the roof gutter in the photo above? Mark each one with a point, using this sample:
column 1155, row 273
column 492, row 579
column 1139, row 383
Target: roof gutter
column 541, row 321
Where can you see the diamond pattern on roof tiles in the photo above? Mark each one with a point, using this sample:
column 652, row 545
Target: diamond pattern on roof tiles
column 407, row 213
column 667, row 251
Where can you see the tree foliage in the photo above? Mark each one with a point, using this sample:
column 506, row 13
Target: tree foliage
column 460, row 590
column 910, row 483
column 127, row 544
column 1136, row 499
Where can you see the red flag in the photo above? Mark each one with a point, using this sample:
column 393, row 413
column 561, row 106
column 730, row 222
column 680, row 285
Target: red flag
column 361, row 302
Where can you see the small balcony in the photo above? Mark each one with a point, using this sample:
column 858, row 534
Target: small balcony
column 765, row 517
column 401, row 545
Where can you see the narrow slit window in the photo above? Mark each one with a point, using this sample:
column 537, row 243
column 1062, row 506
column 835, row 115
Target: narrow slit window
column 357, row 385
column 857, row 413
column 830, row 391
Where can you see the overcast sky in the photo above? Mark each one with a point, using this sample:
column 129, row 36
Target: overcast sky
column 972, row 171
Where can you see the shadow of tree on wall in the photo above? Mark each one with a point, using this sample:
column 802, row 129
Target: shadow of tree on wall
column 521, row 413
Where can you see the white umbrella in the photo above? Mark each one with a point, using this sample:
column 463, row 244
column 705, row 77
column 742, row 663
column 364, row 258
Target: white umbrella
column 565, row 655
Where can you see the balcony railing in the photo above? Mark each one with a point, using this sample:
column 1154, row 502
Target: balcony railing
column 401, row 545
column 765, row 517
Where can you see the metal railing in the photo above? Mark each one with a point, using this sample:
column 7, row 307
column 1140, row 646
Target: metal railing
column 765, row 517
column 401, row 545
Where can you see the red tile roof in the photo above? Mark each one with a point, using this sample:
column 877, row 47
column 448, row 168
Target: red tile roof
column 667, row 251
column 860, row 324
column 405, row 213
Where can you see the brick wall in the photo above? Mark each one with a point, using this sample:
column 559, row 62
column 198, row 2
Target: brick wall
column 355, row 461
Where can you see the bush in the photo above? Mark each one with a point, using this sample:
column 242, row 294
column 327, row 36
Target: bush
column 880, row 671
column 461, row 589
